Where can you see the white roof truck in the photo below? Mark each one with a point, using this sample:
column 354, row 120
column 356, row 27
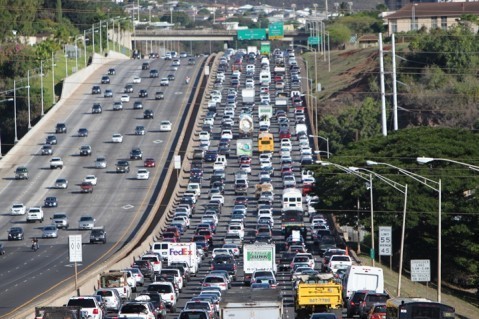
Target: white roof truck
column 246, row 126
column 256, row 304
column 184, row 252
column 260, row 256
column 248, row 95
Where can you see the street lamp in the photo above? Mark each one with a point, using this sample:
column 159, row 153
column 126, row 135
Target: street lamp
column 438, row 188
column 5, row 100
column 327, row 143
column 403, row 189
column 425, row 160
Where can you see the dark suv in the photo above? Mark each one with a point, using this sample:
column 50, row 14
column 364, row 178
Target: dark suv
column 61, row 128
column 122, row 167
column 371, row 298
column 354, row 302
column 98, row 235
column 136, row 154
column 96, row 89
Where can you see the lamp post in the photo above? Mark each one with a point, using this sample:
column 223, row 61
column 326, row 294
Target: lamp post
column 28, row 100
column 425, row 160
column 413, row 17
column 66, row 64
column 438, row 188
column 15, row 110
column 53, row 78
column 327, row 142
column 6, row 100
column 41, row 87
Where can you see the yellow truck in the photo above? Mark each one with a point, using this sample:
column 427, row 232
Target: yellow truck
column 319, row 293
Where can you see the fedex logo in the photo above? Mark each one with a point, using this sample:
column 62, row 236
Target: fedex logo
column 182, row 251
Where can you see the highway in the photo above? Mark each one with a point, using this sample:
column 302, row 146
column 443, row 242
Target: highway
column 118, row 202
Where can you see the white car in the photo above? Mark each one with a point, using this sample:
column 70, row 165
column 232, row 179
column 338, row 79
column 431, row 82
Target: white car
column 117, row 138
column 165, row 126
column 218, row 197
column 142, row 174
column 306, row 150
column 91, row 179
column 245, row 168
column 18, row 209
column 209, row 121
column 236, row 229
column 125, row 98
column 164, row 82
column 227, row 134
column 136, row 79
column 204, row 136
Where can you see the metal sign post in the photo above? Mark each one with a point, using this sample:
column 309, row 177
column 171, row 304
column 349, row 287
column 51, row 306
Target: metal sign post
column 75, row 253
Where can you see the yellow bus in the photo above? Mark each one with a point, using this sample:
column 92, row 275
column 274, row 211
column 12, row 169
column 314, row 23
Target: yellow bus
column 265, row 142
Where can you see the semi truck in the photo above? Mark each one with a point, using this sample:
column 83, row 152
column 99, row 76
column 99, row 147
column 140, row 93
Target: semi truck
column 254, row 304
column 319, row 293
column 246, row 126
column 260, row 256
column 184, row 252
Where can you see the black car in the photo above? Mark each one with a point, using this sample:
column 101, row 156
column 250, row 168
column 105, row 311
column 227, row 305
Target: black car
column 51, row 140
column 143, row 93
column 137, row 105
column 16, row 233
column 354, row 302
column 171, row 77
column 210, row 156
column 145, row 267
column 51, row 201
column 111, row 71
column 96, row 89
column 122, row 166
column 61, row 128
column 148, row 114
column 98, row 235
column 154, row 73
column 136, row 154
column 128, row 88
column 105, row 79
column 207, row 128
column 145, row 66
column 83, row 132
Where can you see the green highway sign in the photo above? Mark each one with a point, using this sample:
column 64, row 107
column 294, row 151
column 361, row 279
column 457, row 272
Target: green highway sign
column 252, row 34
column 314, row 40
column 276, row 30
column 265, row 48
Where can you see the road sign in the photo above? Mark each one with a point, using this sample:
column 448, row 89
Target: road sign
column 265, row 48
column 314, row 40
column 385, row 241
column 177, row 160
column 420, row 270
column 75, row 247
column 252, row 34
column 276, row 30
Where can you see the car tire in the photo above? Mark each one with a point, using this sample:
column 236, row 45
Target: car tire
column 172, row 309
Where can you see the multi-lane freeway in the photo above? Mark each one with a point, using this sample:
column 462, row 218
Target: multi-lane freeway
column 118, row 202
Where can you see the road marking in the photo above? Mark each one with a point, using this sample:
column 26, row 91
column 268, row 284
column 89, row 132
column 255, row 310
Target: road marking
column 158, row 141
column 178, row 93
column 128, row 206
column 73, row 265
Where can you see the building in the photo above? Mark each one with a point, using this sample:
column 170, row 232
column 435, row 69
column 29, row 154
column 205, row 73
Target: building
column 415, row 16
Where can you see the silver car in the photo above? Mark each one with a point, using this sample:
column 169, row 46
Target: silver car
column 61, row 220
column 100, row 162
column 111, row 298
column 50, row 231
column 61, row 183
column 86, row 222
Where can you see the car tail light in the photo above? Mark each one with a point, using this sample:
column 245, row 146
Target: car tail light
column 124, row 290
column 212, row 267
column 363, row 304
column 171, row 297
column 352, row 303
column 96, row 311
column 234, row 267
column 223, row 284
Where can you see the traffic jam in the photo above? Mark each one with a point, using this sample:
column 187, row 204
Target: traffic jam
column 245, row 240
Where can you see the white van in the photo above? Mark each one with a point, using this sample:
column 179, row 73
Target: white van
column 265, row 77
column 362, row 278
column 221, row 161
column 161, row 247
column 250, row 68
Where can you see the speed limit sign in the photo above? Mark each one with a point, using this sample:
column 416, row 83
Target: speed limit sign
column 75, row 248
column 385, row 241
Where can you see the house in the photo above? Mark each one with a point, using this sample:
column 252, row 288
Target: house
column 415, row 16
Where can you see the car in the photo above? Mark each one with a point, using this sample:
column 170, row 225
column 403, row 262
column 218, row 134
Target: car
column 149, row 162
column 85, row 150
column 378, row 311
column 136, row 79
column 61, row 128
column 164, row 82
column 323, row 315
column 51, row 140
column 204, row 136
column 117, row 138
column 142, row 173
column 118, row 106
column 140, row 130
column 98, row 234
column 122, row 166
column 143, row 93
column 86, row 222
column 60, row 220
column 50, row 231
column 216, row 281
column 16, row 233
column 128, row 88
column 108, row 93
column 91, row 179
column 89, row 305
column 125, row 98
column 165, row 126
column 105, row 79
column 137, row 105
column 82, row 132
column 100, row 162
column 61, row 183
column 111, row 298
column 371, row 298
column 111, row 71
column 134, row 308
column 154, row 73
column 145, row 66
column 136, row 154
column 47, row 149
column 18, row 209
column 96, row 109
column 159, row 95
column 96, row 89
column 148, row 114
column 50, row 201
column 171, row 77
column 21, row 172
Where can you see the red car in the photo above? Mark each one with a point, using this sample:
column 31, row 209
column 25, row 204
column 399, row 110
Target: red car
column 286, row 170
column 150, row 162
column 241, row 200
column 245, row 159
column 285, row 134
column 208, row 234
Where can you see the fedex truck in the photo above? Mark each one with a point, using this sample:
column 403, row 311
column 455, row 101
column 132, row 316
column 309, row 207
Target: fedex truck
column 184, row 252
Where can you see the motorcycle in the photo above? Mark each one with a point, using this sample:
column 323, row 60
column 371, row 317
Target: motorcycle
column 35, row 246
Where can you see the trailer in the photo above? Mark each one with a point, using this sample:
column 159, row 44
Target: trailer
column 252, row 304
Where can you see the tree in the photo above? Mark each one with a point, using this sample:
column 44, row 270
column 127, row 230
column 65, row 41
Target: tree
column 339, row 34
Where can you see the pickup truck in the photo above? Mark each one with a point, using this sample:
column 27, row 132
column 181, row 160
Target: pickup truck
column 225, row 262
column 56, row 162
column 86, row 187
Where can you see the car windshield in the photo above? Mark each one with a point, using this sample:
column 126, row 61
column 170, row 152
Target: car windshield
column 134, row 308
